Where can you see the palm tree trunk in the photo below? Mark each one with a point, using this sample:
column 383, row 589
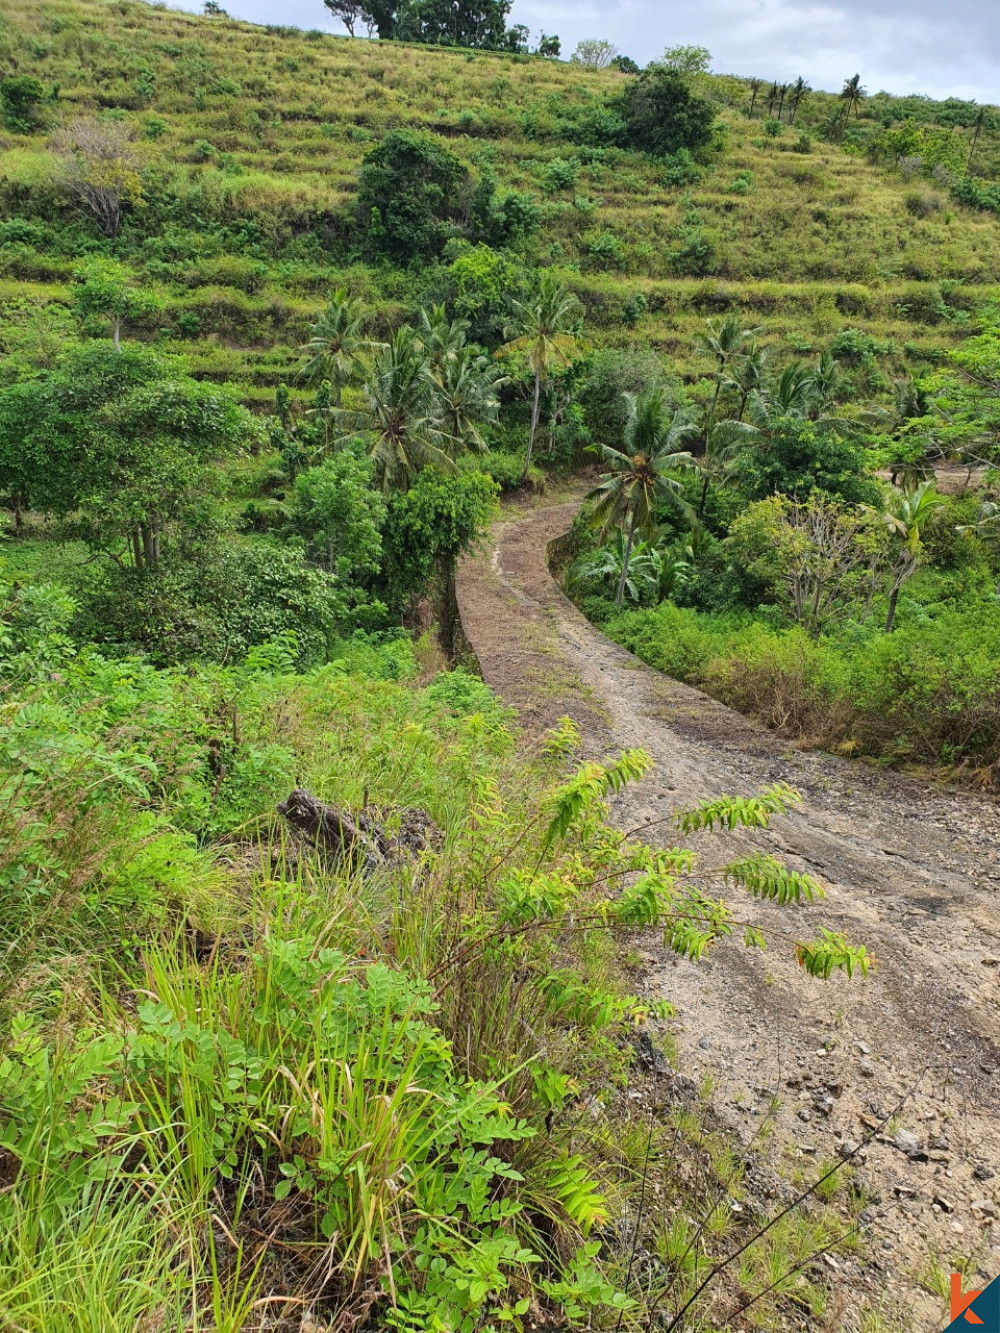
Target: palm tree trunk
column 116, row 332
column 534, row 426
column 626, row 557
column 704, row 495
column 890, row 619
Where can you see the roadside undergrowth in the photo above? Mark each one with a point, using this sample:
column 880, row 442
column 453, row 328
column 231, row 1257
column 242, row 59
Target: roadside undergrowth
column 246, row 1084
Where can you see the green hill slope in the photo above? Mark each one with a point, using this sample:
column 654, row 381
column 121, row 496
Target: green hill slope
column 251, row 140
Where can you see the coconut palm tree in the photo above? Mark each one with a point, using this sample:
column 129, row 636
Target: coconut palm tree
column 826, row 380
column 639, row 474
column 907, row 515
column 723, row 341
column 338, row 345
column 543, row 328
column 852, row 95
column 800, row 91
column 725, row 442
column 791, row 394
column 442, row 338
column 747, row 374
column 402, row 417
column 755, row 87
column 467, row 385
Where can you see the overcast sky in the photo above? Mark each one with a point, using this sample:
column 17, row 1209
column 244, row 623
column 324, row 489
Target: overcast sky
column 945, row 48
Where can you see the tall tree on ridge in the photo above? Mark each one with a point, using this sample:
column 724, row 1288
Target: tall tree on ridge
column 852, row 95
column 800, row 91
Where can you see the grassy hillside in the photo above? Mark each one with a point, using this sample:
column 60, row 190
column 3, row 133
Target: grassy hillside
column 258, row 133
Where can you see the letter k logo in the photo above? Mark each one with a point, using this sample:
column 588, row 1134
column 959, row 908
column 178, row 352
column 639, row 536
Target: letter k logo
column 974, row 1309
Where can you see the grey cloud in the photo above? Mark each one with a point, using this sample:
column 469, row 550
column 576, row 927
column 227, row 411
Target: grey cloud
column 902, row 46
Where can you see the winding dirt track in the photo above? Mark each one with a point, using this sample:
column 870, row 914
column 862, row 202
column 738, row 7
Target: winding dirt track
column 912, row 870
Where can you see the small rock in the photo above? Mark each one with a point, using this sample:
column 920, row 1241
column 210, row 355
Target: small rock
column 991, row 960
column 705, row 1043
column 944, row 1203
column 982, row 1173
column 958, row 1229
column 848, row 1148
column 938, row 1142
column 906, row 1142
column 987, row 1207
column 805, row 1115
column 863, row 1048
column 866, row 1069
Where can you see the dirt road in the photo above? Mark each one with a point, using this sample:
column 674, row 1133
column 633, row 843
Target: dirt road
column 912, row 870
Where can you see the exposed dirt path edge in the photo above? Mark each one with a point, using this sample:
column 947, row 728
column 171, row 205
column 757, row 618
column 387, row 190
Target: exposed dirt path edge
column 912, row 870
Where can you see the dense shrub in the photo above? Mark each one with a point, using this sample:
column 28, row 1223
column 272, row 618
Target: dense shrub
column 930, row 692
column 663, row 115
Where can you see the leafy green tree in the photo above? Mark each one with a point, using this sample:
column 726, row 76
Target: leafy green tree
column 908, row 515
column 22, row 98
column 106, row 294
column 476, row 23
column 687, row 59
column 413, row 194
column 122, row 443
column 480, row 282
column 336, row 349
column 594, row 52
column 791, row 455
column 639, row 474
column 340, row 515
column 663, row 115
column 428, row 527
column 822, row 561
column 543, row 329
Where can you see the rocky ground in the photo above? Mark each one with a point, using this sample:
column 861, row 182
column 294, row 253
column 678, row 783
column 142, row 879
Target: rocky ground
column 912, row 871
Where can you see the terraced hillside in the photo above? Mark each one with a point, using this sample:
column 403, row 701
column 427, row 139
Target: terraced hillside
column 257, row 135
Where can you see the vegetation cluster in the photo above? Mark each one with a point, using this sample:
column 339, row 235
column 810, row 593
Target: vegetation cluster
column 282, row 315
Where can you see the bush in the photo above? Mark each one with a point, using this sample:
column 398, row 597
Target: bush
column 21, row 100
column 413, row 194
column 663, row 115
